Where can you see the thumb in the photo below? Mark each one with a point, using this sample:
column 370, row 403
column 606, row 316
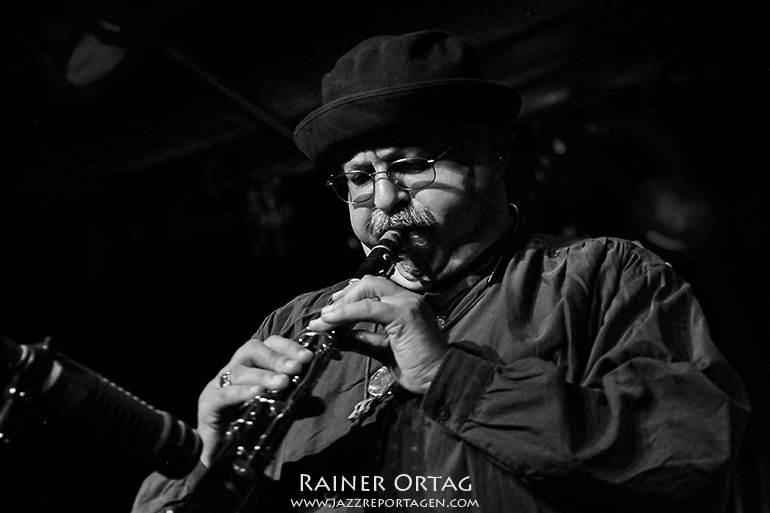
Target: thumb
column 371, row 344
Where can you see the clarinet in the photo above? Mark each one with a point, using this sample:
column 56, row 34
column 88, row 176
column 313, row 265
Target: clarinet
column 251, row 440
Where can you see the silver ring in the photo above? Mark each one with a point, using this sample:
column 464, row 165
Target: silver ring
column 224, row 380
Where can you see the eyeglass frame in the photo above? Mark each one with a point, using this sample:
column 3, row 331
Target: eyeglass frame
column 372, row 177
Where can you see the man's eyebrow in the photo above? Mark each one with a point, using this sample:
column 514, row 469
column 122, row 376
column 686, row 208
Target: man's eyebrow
column 397, row 154
column 358, row 166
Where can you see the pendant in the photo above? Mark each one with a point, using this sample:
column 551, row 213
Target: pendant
column 380, row 385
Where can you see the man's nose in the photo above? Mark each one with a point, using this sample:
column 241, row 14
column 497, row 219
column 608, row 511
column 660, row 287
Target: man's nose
column 387, row 195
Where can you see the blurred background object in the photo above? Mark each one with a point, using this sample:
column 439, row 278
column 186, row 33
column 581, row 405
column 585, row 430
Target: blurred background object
column 153, row 208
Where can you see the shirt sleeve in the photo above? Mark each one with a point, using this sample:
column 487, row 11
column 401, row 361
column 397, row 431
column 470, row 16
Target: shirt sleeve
column 158, row 494
column 651, row 421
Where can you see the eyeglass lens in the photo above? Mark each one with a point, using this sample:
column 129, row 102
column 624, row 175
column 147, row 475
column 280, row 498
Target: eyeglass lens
column 407, row 174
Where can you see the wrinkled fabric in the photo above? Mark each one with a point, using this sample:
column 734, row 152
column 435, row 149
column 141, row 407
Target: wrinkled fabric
column 581, row 377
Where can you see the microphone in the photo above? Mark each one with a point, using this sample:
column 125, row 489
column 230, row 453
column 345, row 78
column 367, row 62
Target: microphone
column 116, row 419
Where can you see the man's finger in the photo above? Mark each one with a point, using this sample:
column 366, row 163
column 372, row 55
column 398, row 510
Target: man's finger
column 250, row 376
column 290, row 348
column 238, row 394
column 256, row 353
column 368, row 287
column 368, row 343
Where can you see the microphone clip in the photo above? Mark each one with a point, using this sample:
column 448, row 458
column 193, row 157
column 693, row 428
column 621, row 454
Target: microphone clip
column 31, row 367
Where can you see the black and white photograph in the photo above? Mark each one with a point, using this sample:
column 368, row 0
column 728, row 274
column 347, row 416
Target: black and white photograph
column 405, row 256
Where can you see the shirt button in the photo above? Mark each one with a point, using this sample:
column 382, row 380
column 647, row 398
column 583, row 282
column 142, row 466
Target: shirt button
column 444, row 415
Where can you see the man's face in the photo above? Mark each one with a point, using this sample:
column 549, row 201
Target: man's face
column 446, row 224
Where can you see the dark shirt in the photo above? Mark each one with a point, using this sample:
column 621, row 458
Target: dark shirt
column 581, row 376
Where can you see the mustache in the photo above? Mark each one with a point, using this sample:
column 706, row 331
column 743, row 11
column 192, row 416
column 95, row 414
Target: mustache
column 408, row 217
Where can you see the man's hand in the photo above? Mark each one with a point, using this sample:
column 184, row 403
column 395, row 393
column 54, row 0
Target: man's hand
column 412, row 344
column 255, row 367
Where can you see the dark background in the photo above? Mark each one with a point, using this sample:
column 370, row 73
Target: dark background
column 151, row 218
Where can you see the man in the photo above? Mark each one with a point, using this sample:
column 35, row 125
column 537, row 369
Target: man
column 528, row 374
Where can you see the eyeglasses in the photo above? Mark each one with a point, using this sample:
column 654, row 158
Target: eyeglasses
column 409, row 174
